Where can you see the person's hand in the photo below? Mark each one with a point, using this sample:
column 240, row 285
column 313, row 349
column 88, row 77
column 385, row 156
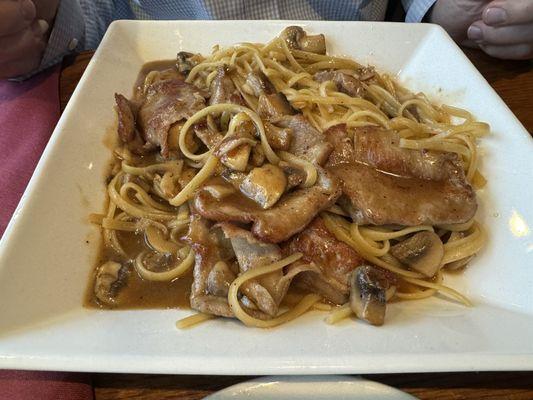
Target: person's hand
column 501, row 28
column 505, row 29
column 456, row 16
column 23, row 32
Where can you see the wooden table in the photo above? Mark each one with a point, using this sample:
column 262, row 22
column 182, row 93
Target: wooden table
column 514, row 83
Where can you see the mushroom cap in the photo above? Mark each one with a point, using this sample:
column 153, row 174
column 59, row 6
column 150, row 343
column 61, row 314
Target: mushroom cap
column 296, row 38
column 292, row 35
column 107, row 276
column 184, row 64
column 264, row 185
column 368, row 294
column 423, row 252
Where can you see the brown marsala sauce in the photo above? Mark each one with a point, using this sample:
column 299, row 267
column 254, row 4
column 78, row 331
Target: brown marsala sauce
column 138, row 293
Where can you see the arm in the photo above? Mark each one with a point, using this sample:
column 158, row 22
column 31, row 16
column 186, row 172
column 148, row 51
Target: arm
column 28, row 45
column 23, row 30
column 79, row 25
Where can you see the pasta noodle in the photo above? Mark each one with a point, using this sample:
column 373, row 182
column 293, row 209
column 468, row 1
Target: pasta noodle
column 307, row 302
column 150, row 196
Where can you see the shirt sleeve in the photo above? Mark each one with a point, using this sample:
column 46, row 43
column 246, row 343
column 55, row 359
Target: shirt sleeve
column 78, row 25
column 416, row 10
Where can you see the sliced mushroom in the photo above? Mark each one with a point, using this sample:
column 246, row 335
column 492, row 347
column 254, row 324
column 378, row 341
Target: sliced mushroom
column 219, row 191
column 219, row 279
column 259, row 84
column 368, row 294
column 273, row 106
column 345, row 81
column 234, row 177
column 296, row 38
column 234, row 151
column 108, row 282
column 422, row 252
column 237, row 158
column 185, row 62
column 264, row 185
column 222, row 88
column 278, row 138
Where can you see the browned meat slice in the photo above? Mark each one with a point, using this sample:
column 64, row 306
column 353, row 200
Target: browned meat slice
column 381, row 149
column 345, row 82
column 127, row 129
column 267, row 291
column 375, row 197
column 295, row 210
column 289, row 215
column 335, row 260
column 380, row 199
column 223, row 90
column 306, row 141
column 211, row 278
column 126, row 119
column 166, row 103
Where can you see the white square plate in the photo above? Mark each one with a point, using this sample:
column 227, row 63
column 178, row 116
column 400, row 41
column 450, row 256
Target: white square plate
column 45, row 260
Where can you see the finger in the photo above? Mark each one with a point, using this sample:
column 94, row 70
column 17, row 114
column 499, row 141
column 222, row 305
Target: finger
column 24, row 43
column 15, row 16
column 500, row 35
column 508, row 12
column 514, row 52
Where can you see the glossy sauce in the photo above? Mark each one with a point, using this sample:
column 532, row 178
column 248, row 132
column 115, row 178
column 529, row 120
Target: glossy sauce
column 138, row 293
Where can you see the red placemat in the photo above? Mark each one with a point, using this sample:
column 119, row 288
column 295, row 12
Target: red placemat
column 28, row 114
column 36, row 385
column 29, row 111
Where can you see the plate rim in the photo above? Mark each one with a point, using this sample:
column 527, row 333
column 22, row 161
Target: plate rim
column 506, row 362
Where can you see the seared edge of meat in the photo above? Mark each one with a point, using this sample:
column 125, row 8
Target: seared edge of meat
column 375, row 197
column 334, row 259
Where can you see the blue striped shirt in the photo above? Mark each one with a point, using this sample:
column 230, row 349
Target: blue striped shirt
column 81, row 24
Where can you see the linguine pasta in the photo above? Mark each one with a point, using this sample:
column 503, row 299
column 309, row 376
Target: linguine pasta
column 159, row 208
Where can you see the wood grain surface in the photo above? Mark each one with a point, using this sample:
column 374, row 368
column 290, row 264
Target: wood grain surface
column 513, row 81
